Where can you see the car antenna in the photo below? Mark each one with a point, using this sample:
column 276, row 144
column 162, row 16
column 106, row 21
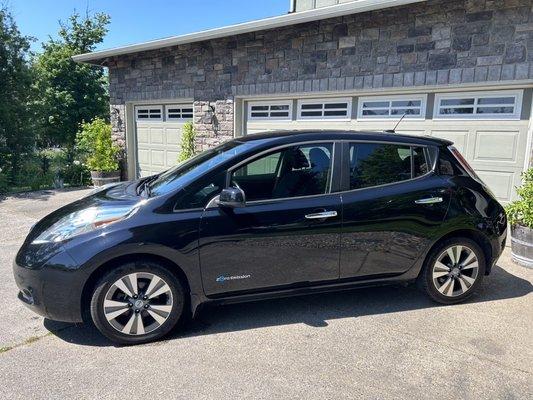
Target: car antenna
column 399, row 122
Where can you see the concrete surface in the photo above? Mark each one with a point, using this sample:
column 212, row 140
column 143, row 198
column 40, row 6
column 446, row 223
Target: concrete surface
column 381, row 343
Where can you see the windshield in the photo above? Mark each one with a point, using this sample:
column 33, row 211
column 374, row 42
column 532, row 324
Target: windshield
column 188, row 171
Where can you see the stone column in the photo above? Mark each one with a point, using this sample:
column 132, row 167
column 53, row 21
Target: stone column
column 213, row 122
column 118, row 134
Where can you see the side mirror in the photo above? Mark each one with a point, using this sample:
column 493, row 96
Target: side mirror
column 232, row 198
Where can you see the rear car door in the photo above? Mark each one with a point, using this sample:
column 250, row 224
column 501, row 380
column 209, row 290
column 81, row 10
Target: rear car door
column 392, row 209
column 287, row 235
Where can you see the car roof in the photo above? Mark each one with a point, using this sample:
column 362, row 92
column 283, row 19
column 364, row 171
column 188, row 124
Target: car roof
column 288, row 136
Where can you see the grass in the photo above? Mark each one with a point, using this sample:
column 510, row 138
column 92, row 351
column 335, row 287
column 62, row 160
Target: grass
column 28, row 341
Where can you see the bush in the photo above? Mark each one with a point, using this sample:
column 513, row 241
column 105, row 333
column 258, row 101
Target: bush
column 4, row 183
column 187, row 142
column 32, row 175
column 520, row 212
column 95, row 144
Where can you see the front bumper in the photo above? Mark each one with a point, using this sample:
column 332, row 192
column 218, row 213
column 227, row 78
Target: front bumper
column 53, row 290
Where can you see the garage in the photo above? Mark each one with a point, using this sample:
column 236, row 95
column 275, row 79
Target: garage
column 490, row 128
column 158, row 135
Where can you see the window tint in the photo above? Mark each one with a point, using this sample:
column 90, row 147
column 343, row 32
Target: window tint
column 374, row 164
column 292, row 172
column 200, row 194
column 420, row 165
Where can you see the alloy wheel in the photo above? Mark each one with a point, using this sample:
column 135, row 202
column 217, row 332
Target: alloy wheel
column 455, row 271
column 138, row 303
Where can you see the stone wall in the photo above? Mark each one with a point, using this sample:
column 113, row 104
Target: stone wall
column 213, row 121
column 437, row 42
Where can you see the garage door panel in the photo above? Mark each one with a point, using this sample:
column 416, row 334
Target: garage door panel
column 143, row 136
column 156, row 135
column 173, row 136
column 497, row 146
column 158, row 158
column 459, row 138
column 172, row 157
column 501, row 183
column 143, row 156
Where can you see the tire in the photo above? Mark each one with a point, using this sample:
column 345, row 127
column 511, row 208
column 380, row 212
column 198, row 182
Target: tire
column 160, row 303
column 448, row 282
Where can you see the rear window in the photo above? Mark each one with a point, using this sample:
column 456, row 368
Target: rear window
column 376, row 164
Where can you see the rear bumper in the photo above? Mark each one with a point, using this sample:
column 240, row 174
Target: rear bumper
column 53, row 290
column 498, row 246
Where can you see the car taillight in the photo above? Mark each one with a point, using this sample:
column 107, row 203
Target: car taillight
column 459, row 157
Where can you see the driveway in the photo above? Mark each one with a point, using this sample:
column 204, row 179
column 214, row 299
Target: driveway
column 381, row 343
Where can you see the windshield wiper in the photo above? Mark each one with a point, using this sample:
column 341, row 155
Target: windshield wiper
column 144, row 186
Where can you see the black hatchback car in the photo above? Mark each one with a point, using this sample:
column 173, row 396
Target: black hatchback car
column 267, row 215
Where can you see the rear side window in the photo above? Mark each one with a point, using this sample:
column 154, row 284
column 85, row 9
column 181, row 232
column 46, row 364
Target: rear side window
column 375, row 164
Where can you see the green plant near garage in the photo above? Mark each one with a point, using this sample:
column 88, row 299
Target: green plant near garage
column 187, row 142
column 95, row 143
column 520, row 216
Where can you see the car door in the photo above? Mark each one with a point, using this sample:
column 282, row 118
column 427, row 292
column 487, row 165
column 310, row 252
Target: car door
column 287, row 235
column 392, row 210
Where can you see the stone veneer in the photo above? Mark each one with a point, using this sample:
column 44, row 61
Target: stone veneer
column 438, row 42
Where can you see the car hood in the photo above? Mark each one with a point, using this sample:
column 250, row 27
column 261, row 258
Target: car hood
column 116, row 195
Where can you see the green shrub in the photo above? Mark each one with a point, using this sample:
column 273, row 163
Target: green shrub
column 187, row 142
column 32, row 175
column 4, row 183
column 95, row 144
column 520, row 212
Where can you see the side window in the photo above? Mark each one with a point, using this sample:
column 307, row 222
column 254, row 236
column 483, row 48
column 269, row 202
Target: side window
column 199, row 194
column 292, row 172
column 374, row 164
column 420, row 164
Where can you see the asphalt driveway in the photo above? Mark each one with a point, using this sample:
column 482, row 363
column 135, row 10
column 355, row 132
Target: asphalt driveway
column 381, row 343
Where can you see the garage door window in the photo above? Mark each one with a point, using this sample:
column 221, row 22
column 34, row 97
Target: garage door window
column 179, row 113
column 270, row 111
column 391, row 107
column 496, row 105
column 376, row 164
column 339, row 109
column 149, row 113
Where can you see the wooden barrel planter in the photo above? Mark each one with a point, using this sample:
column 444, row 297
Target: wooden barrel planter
column 522, row 245
column 103, row 178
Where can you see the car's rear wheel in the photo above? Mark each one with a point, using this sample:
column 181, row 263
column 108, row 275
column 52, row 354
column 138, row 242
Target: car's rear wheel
column 137, row 302
column 453, row 271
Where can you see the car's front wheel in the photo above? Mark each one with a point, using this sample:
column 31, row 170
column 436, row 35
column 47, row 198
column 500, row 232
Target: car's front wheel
column 453, row 270
column 137, row 302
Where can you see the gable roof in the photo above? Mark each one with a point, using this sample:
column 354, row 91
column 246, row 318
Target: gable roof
column 354, row 7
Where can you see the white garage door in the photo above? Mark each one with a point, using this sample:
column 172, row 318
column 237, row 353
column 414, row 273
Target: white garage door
column 485, row 126
column 158, row 129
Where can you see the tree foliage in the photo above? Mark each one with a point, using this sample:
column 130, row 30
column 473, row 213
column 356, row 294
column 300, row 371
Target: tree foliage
column 16, row 123
column 187, row 142
column 70, row 93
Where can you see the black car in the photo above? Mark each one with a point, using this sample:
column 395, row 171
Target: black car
column 262, row 216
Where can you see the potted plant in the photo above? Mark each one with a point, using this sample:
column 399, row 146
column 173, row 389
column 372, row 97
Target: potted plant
column 520, row 215
column 95, row 143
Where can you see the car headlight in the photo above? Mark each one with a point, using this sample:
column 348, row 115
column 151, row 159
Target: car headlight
column 83, row 221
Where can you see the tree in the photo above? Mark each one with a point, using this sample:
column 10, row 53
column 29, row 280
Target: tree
column 16, row 128
column 70, row 93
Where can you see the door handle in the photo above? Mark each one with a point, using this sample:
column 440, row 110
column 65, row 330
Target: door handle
column 431, row 200
column 322, row 215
